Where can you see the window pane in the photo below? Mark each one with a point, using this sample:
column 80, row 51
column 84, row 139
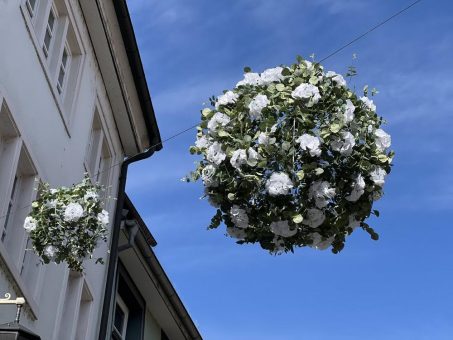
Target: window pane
column 61, row 77
column 32, row 3
column 10, row 207
column 51, row 20
column 64, row 58
column 47, row 38
column 119, row 318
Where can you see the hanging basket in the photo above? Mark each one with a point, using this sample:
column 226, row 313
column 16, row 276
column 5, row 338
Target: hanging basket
column 292, row 157
column 67, row 224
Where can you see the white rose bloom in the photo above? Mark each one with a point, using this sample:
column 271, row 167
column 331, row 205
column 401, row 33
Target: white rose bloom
column 250, row 78
column 368, row 103
column 52, row 204
column 207, row 175
column 253, row 156
column 228, row 97
column 283, row 229
column 337, row 78
column 349, row 112
column 307, row 91
column 91, row 195
column 344, row 146
column 310, row 143
column 320, row 192
column 272, row 74
column 215, row 154
column 279, row 184
column 357, row 189
column 314, row 218
column 274, row 128
column 29, row 224
column 309, row 64
column 370, row 128
column 257, row 105
column 236, row 233
column 216, row 120
column 263, row 139
column 73, row 212
column 202, row 142
column 50, row 251
column 238, row 158
column 382, row 139
column 319, row 243
column 378, row 176
column 239, row 217
column 103, row 217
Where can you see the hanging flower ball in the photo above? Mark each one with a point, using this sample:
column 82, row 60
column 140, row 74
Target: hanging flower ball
column 67, row 224
column 292, row 157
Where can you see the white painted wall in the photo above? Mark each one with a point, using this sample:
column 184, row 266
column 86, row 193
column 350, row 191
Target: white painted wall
column 56, row 139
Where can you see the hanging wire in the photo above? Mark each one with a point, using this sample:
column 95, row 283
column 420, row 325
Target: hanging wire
column 325, row 58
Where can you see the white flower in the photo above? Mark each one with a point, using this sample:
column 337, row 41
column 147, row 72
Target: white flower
column 314, row 218
column 238, row 158
column 263, row 138
column 368, row 103
column 253, row 156
column 103, row 217
column 228, row 97
column 310, row 143
column 378, row 176
column 52, row 204
column 50, row 251
column 349, row 112
column 357, row 189
column 337, row 78
column 321, row 193
column 307, row 91
column 29, row 224
column 90, row 195
column 215, row 154
column 53, row 191
column 382, row 139
column 73, row 212
column 239, row 217
column 272, row 74
column 279, row 184
column 207, row 175
column 250, row 78
column 236, row 233
column 309, row 64
column 274, row 128
column 216, row 120
column 283, row 229
column 257, row 105
column 202, row 142
column 344, row 146
column 319, row 243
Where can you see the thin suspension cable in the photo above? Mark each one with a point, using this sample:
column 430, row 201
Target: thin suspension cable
column 325, row 58
column 370, row 30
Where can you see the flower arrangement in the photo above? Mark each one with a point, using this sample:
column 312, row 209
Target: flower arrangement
column 66, row 224
column 292, row 157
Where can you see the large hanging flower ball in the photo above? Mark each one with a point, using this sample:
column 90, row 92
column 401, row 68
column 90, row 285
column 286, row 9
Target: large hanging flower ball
column 292, row 157
column 67, row 224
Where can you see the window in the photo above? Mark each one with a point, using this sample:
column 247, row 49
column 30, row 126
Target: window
column 49, row 33
column 64, row 66
column 31, row 7
column 98, row 160
column 120, row 319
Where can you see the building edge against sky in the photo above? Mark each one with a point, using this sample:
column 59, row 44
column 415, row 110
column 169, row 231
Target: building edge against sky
column 74, row 99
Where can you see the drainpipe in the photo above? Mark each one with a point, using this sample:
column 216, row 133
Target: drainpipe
column 110, row 286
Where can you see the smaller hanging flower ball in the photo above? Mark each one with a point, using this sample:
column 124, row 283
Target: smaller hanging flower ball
column 292, row 157
column 67, row 224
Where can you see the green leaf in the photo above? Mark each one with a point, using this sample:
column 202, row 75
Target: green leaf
column 205, row 112
column 300, row 175
column 223, row 133
column 313, row 80
column 298, row 218
column 247, row 69
column 286, row 72
column 319, row 171
column 376, row 212
column 335, row 127
column 231, row 196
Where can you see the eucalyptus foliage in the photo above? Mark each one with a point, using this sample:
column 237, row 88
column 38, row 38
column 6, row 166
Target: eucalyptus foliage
column 292, row 157
column 67, row 224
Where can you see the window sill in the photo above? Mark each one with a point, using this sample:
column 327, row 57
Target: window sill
column 18, row 282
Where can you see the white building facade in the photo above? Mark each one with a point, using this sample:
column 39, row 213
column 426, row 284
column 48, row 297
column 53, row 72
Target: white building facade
column 73, row 99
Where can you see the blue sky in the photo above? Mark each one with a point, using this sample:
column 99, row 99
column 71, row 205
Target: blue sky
column 400, row 287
